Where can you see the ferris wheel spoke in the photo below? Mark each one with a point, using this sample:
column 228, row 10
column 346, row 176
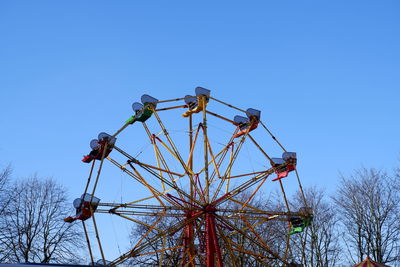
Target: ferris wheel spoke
column 188, row 258
column 288, row 249
column 253, row 194
column 245, row 204
column 246, row 185
column 138, row 213
column 202, row 100
column 207, row 149
column 176, row 152
column 144, row 210
column 216, row 167
column 171, row 142
column 192, row 145
column 228, row 246
column 170, row 150
column 229, row 173
column 135, row 253
column 152, row 189
column 136, row 221
column 264, row 216
column 200, row 188
column 236, row 219
column 245, row 174
column 259, row 238
column 233, row 246
column 250, row 239
column 171, row 230
column 156, row 194
column 159, row 166
column 163, row 245
column 261, row 221
column 221, row 157
column 220, row 161
column 124, row 169
column 191, row 260
column 195, row 184
column 141, row 180
column 192, row 181
column 158, row 155
column 153, row 138
column 141, row 164
column 159, row 251
column 163, row 161
column 131, row 159
column 234, row 156
column 148, row 231
column 256, row 257
column 176, row 188
column 222, row 154
column 229, row 167
column 133, row 203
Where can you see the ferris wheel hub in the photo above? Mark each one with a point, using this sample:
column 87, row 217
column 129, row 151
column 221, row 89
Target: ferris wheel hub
column 210, row 208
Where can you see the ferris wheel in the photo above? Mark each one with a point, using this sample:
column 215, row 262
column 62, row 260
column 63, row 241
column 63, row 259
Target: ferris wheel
column 196, row 186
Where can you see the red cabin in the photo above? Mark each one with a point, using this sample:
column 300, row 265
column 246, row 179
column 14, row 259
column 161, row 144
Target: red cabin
column 247, row 124
column 284, row 165
column 84, row 206
column 98, row 146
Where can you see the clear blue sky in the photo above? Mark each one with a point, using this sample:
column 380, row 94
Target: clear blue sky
column 326, row 75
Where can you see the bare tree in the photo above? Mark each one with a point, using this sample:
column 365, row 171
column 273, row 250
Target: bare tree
column 33, row 227
column 318, row 245
column 367, row 202
column 4, row 181
column 4, row 201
